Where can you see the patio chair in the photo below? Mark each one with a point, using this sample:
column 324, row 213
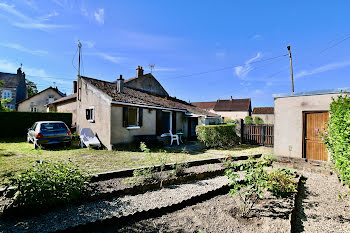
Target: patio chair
column 173, row 137
column 88, row 138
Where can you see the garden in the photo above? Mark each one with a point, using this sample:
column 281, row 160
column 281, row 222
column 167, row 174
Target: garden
column 221, row 186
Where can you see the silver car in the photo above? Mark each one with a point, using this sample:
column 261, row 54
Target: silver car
column 49, row 132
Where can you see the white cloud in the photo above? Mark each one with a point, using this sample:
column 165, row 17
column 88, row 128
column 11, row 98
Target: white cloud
column 110, row 58
column 20, row 20
column 99, row 16
column 23, row 49
column 256, row 37
column 242, row 71
column 321, row 69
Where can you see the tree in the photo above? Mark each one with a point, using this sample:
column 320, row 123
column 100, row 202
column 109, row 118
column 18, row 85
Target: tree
column 3, row 102
column 248, row 120
column 31, row 88
column 258, row 120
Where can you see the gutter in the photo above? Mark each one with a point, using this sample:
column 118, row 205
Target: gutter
column 147, row 106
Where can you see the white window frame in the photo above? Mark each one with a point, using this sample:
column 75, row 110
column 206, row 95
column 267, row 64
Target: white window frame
column 92, row 118
column 33, row 109
column 6, row 93
column 170, row 120
column 137, row 120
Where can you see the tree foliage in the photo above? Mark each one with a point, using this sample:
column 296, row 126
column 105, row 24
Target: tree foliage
column 248, row 120
column 258, row 120
column 3, row 102
column 31, row 88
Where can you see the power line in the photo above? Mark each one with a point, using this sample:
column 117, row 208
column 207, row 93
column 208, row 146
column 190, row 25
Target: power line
column 339, row 42
column 225, row 68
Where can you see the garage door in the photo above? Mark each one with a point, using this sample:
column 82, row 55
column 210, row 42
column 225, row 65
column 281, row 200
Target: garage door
column 314, row 147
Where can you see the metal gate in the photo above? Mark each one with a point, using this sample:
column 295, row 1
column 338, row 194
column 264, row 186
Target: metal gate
column 258, row 134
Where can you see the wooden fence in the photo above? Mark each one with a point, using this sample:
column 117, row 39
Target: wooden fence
column 258, row 134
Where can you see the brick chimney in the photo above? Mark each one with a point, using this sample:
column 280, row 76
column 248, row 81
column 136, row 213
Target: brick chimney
column 75, row 85
column 120, row 84
column 139, row 71
column 231, row 98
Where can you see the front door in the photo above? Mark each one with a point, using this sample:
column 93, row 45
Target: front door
column 192, row 123
column 314, row 147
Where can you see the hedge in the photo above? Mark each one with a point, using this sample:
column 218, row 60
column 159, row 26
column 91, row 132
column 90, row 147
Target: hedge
column 16, row 124
column 217, row 135
column 337, row 136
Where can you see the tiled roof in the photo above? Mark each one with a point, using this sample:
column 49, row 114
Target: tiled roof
column 69, row 97
column 10, row 80
column 204, row 105
column 232, row 105
column 55, row 89
column 133, row 96
column 263, row 110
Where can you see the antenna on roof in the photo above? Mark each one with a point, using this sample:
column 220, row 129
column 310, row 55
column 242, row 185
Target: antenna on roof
column 151, row 66
column 54, row 84
column 21, row 65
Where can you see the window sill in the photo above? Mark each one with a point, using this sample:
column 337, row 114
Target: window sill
column 133, row 127
column 91, row 121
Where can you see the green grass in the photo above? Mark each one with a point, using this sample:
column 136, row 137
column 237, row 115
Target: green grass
column 16, row 156
column 242, row 150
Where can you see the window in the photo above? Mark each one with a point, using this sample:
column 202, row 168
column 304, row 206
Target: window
column 132, row 117
column 90, row 114
column 6, row 94
column 33, row 109
column 51, row 99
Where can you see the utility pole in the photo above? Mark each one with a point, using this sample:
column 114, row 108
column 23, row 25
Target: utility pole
column 291, row 67
column 79, row 46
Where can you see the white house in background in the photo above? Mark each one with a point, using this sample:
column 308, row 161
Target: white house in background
column 38, row 102
column 265, row 113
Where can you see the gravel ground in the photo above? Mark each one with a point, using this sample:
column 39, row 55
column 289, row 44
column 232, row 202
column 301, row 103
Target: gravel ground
column 89, row 212
column 218, row 215
column 320, row 210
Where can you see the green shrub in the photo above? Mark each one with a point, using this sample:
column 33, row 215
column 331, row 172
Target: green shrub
column 179, row 168
column 50, row 184
column 281, row 182
column 230, row 121
column 248, row 120
column 217, row 135
column 337, row 136
column 258, row 120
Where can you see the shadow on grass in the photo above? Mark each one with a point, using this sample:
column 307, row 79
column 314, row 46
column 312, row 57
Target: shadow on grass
column 12, row 140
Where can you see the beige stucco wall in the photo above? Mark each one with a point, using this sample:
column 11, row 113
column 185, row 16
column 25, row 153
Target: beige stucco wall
column 120, row 134
column 267, row 118
column 289, row 121
column 39, row 101
column 68, row 106
column 233, row 114
column 93, row 97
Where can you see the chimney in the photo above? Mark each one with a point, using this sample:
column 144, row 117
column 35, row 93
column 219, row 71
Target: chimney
column 231, row 98
column 139, row 71
column 75, row 85
column 120, row 84
column 19, row 71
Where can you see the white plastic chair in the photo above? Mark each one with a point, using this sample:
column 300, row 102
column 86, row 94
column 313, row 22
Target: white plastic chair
column 88, row 138
column 174, row 137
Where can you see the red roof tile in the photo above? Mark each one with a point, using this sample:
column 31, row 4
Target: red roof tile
column 263, row 110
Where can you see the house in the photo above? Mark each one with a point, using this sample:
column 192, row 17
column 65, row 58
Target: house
column 297, row 115
column 228, row 109
column 14, row 87
column 264, row 113
column 122, row 110
column 38, row 102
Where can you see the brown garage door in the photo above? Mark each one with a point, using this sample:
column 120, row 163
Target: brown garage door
column 313, row 145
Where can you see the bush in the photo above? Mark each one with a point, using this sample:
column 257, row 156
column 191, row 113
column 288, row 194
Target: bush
column 337, row 136
column 50, row 184
column 217, row 135
column 258, row 120
column 248, row 120
column 281, row 182
column 230, row 121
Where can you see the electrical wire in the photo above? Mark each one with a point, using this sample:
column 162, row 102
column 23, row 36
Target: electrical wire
column 73, row 59
column 225, row 68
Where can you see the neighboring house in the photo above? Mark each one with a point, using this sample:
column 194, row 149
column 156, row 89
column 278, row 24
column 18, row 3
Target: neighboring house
column 265, row 113
column 65, row 104
column 38, row 102
column 118, row 111
column 297, row 116
column 14, row 87
column 228, row 109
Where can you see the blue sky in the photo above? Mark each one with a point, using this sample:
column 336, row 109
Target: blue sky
column 185, row 40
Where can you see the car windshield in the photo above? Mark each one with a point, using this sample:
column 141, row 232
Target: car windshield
column 49, row 127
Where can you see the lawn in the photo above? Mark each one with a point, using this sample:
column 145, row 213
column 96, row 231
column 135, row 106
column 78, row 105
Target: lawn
column 16, row 156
